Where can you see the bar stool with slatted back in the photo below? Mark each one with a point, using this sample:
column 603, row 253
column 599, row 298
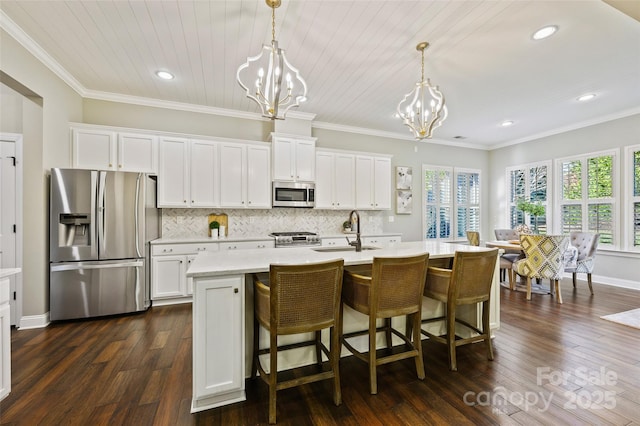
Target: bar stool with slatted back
column 391, row 287
column 468, row 282
column 298, row 299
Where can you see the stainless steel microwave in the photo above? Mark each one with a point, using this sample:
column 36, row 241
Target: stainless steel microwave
column 294, row 194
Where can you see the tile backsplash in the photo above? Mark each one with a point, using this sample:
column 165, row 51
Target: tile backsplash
column 188, row 223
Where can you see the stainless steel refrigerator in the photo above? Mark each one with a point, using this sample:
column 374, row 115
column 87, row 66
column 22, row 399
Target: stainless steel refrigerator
column 100, row 227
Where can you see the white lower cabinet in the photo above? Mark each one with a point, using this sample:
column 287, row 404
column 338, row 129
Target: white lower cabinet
column 219, row 333
column 243, row 245
column 384, row 239
column 169, row 264
column 336, row 241
column 5, row 339
column 170, row 277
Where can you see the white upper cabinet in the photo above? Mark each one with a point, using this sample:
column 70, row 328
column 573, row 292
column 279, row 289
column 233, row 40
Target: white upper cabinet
column 335, row 183
column 173, row 173
column 258, row 176
column 294, row 158
column 382, row 183
column 104, row 149
column 137, row 153
column 204, row 177
column 373, row 182
column 245, row 176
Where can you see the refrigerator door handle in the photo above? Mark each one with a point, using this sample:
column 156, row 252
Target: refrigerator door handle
column 137, row 215
column 101, row 206
column 101, row 265
column 93, row 240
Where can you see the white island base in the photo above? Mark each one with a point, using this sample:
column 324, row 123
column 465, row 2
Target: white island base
column 223, row 313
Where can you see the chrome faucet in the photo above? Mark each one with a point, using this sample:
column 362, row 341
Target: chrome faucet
column 357, row 243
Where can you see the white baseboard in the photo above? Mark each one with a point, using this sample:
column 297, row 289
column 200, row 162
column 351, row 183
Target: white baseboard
column 600, row 279
column 616, row 282
column 33, row 321
column 166, row 302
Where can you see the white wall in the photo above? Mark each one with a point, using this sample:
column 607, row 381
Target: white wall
column 45, row 118
column 47, row 145
column 413, row 154
column 616, row 268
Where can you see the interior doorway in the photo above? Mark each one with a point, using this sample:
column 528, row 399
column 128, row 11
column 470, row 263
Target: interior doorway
column 10, row 217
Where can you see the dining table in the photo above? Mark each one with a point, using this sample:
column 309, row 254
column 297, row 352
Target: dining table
column 514, row 246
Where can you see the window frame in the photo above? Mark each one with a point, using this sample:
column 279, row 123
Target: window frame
column 548, row 203
column 629, row 199
column 585, row 201
column 453, row 205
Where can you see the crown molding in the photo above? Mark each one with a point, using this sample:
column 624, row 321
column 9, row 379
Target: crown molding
column 34, row 48
column 301, row 115
column 390, row 135
column 181, row 106
column 574, row 126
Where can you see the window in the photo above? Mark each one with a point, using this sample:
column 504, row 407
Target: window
column 451, row 202
column 632, row 197
column 530, row 183
column 588, row 195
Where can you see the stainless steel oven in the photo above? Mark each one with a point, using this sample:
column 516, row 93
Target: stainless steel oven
column 294, row 194
column 295, row 239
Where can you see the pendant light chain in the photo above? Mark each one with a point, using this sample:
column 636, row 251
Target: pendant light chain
column 422, row 75
column 273, row 24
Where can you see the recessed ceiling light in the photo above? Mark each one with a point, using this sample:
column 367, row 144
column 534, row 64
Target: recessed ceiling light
column 165, row 75
column 545, row 32
column 507, row 123
column 587, row 97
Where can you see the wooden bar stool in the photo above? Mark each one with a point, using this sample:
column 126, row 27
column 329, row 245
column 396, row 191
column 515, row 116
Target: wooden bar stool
column 468, row 282
column 393, row 288
column 298, row 299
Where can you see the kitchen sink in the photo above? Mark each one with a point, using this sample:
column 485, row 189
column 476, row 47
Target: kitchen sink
column 343, row 248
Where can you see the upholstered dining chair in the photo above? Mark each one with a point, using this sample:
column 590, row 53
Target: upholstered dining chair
column 544, row 259
column 473, row 237
column 507, row 259
column 506, row 234
column 392, row 288
column 468, row 282
column 295, row 299
column 586, row 244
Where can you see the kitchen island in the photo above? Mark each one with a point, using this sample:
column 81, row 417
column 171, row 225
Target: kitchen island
column 5, row 330
column 223, row 310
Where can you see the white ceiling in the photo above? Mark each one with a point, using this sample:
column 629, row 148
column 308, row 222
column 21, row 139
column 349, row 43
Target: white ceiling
column 358, row 58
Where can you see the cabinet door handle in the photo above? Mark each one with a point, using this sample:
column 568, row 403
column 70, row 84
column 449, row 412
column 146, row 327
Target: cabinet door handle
column 235, row 290
column 110, row 165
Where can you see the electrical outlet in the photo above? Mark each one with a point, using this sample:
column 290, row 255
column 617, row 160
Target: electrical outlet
column 391, row 218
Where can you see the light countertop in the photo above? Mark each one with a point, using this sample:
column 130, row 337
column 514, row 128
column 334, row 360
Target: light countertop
column 199, row 240
column 258, row 260
column 7, row 272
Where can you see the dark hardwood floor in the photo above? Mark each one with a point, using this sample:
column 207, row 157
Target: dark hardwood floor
column 554, row 364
